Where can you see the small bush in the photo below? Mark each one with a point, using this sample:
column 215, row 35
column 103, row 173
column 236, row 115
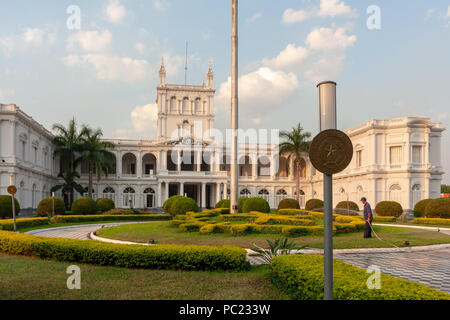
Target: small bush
column 183, row 205
column 288, row 204
column 241, row 203
column 168, row 203
column 301, row 276
column 348, row 205
column 432, row 221
column 225, row 203
column 256, row 204
column 45, row 207
column 102, row 217
column 314, row 204
column 23, row 223
column 84, row 206
column 438, row 208
column 104, row 204
column 419, row 208
column 6, row 207
column 389, row 208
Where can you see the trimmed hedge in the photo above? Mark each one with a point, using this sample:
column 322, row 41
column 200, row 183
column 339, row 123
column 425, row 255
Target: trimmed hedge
column 183, row 205
column 292, row 212
column 6, row 207
column 348, row 205
column 256, row 204
column 241, row 203
column 438, row 208
column 225, row 203
column 419, row 208
column 432, row 221
column 176, row 257
column 288, row 204
column 168, row 203
column 105, row 204
column 384, row 219
column 84, row 206
column 313, row 204
column 301, row 277
column 94, row 218
column 389, row 208
column 45, row 207
column 23, row 223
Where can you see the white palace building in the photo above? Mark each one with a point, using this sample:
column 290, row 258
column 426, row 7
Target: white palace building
column 398, row 159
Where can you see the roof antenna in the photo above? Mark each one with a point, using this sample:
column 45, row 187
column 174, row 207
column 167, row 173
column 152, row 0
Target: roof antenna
column 186, row 65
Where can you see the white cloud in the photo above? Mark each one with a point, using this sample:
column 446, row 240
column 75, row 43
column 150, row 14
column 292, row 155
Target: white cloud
column 140, row 48
column 292, row 16
column 333, row 8
column 6, row 93
column 173, row 63
column 259, row 91
column 448, row 12
column 254, row 17
column 327, row 39
column 430, row 13
column 291, row 56
column 112, row 68
column 115, row 11
column 144, row 120
column 38, row 37
column 90, row 41
column 161, row 5
column 7, row 45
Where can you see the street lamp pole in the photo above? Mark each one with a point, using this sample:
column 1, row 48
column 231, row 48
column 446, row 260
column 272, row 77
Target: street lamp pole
column 234, row 110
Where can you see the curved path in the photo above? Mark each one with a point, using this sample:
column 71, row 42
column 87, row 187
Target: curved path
column 427, row 265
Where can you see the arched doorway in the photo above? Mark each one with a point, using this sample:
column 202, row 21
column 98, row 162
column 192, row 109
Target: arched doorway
column 149, row 198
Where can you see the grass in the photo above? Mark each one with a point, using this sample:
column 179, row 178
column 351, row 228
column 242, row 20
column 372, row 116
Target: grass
column 35, row 279
column 164, row 233
column 418, row 224
column 56, row 225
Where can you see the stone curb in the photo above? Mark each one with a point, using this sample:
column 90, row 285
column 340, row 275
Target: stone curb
column 94, row 237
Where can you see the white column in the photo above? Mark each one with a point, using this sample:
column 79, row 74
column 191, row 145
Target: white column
column 159, row 204
column 212, row 160
column 166, row 191
column 119, row 164
column 199, row 161
column 217, row 161
column 13, row 140
column 255, row 166
column 203, row 195
column 273, row 167
column 139, row 165
column 218, row 192
column 178, row 160
column 182, row 189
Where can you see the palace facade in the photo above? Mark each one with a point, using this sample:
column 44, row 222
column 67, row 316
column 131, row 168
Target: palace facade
column 397, row 159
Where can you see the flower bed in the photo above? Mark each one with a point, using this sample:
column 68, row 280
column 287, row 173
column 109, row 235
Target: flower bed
column 432, row 221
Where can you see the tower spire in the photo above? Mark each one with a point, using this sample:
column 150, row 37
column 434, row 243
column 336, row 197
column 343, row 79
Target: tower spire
column 210, row 75
column 162, row 73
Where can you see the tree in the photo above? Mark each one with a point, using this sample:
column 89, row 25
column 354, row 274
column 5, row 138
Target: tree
column 68, row 144
column 296, row 142
column 69, row 185
column 96, row 153
column 445, row 189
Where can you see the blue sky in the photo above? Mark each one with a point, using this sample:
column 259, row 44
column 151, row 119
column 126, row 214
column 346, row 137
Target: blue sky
column 105, row 74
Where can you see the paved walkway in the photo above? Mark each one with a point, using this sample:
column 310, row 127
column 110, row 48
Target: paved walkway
column 429, row 266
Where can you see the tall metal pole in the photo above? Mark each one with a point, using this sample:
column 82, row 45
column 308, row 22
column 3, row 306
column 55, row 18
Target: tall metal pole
column 234, row 110
column 328, row 120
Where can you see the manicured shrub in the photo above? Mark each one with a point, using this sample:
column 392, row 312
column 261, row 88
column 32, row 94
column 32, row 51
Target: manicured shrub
column 225, row 203
column 241, row 203
column 384, row 219
column 105, row 204
column 168, row 203
column 389, row 208
column 112, row 218
column 6, row 207
column 302, row 278
column 45, row 207
column 292, row 212
column 288, row 204
column 23, row 223
column 438, row 208
column 183, row 205
column 123, row 212
column 419, row 208
column 432, row 221
column 84, row 206
column 314, row 204
column 347, row 205
column 175, row 257
column 256, row 204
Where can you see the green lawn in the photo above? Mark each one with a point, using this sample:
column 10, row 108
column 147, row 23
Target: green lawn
column 33, row 279
column 164, row 233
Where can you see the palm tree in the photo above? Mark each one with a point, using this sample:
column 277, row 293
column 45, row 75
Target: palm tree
column 69, row 185
column 295, row 143
column 96, row 153
column 68, row 143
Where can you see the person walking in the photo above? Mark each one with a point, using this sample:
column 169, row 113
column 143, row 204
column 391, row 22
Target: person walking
column 368, row 217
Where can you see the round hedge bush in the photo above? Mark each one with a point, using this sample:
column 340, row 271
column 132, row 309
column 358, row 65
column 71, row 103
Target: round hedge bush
column 168, row 203
column 419, row 208
column 256, row 204
column 105, row 204
column 84, row 206
column 314, row 204
column 438, row 208
column 348, row 205
column 288, row 204
column 6, row 207
column 241, row 203
column 225, row 203
column 45, row 207
column 389, row 208
column 183, row 205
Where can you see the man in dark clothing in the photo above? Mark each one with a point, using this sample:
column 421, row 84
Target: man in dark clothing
column 368, row 217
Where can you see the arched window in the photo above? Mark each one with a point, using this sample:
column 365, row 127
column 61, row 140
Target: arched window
column 395, row 193
column 198, row 106
column 149, row 198
column 416, row 187
column 109, row 190
column 186, row 105
column 149, row 190
column 129, row 190
column 173, row 105
column 282, row 192
column 129, row 197
column 263, row 192
column 246, row 193
column 342, row 191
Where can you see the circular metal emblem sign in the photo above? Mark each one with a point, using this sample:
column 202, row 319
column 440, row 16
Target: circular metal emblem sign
column 12, row 190
column 331, row 151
